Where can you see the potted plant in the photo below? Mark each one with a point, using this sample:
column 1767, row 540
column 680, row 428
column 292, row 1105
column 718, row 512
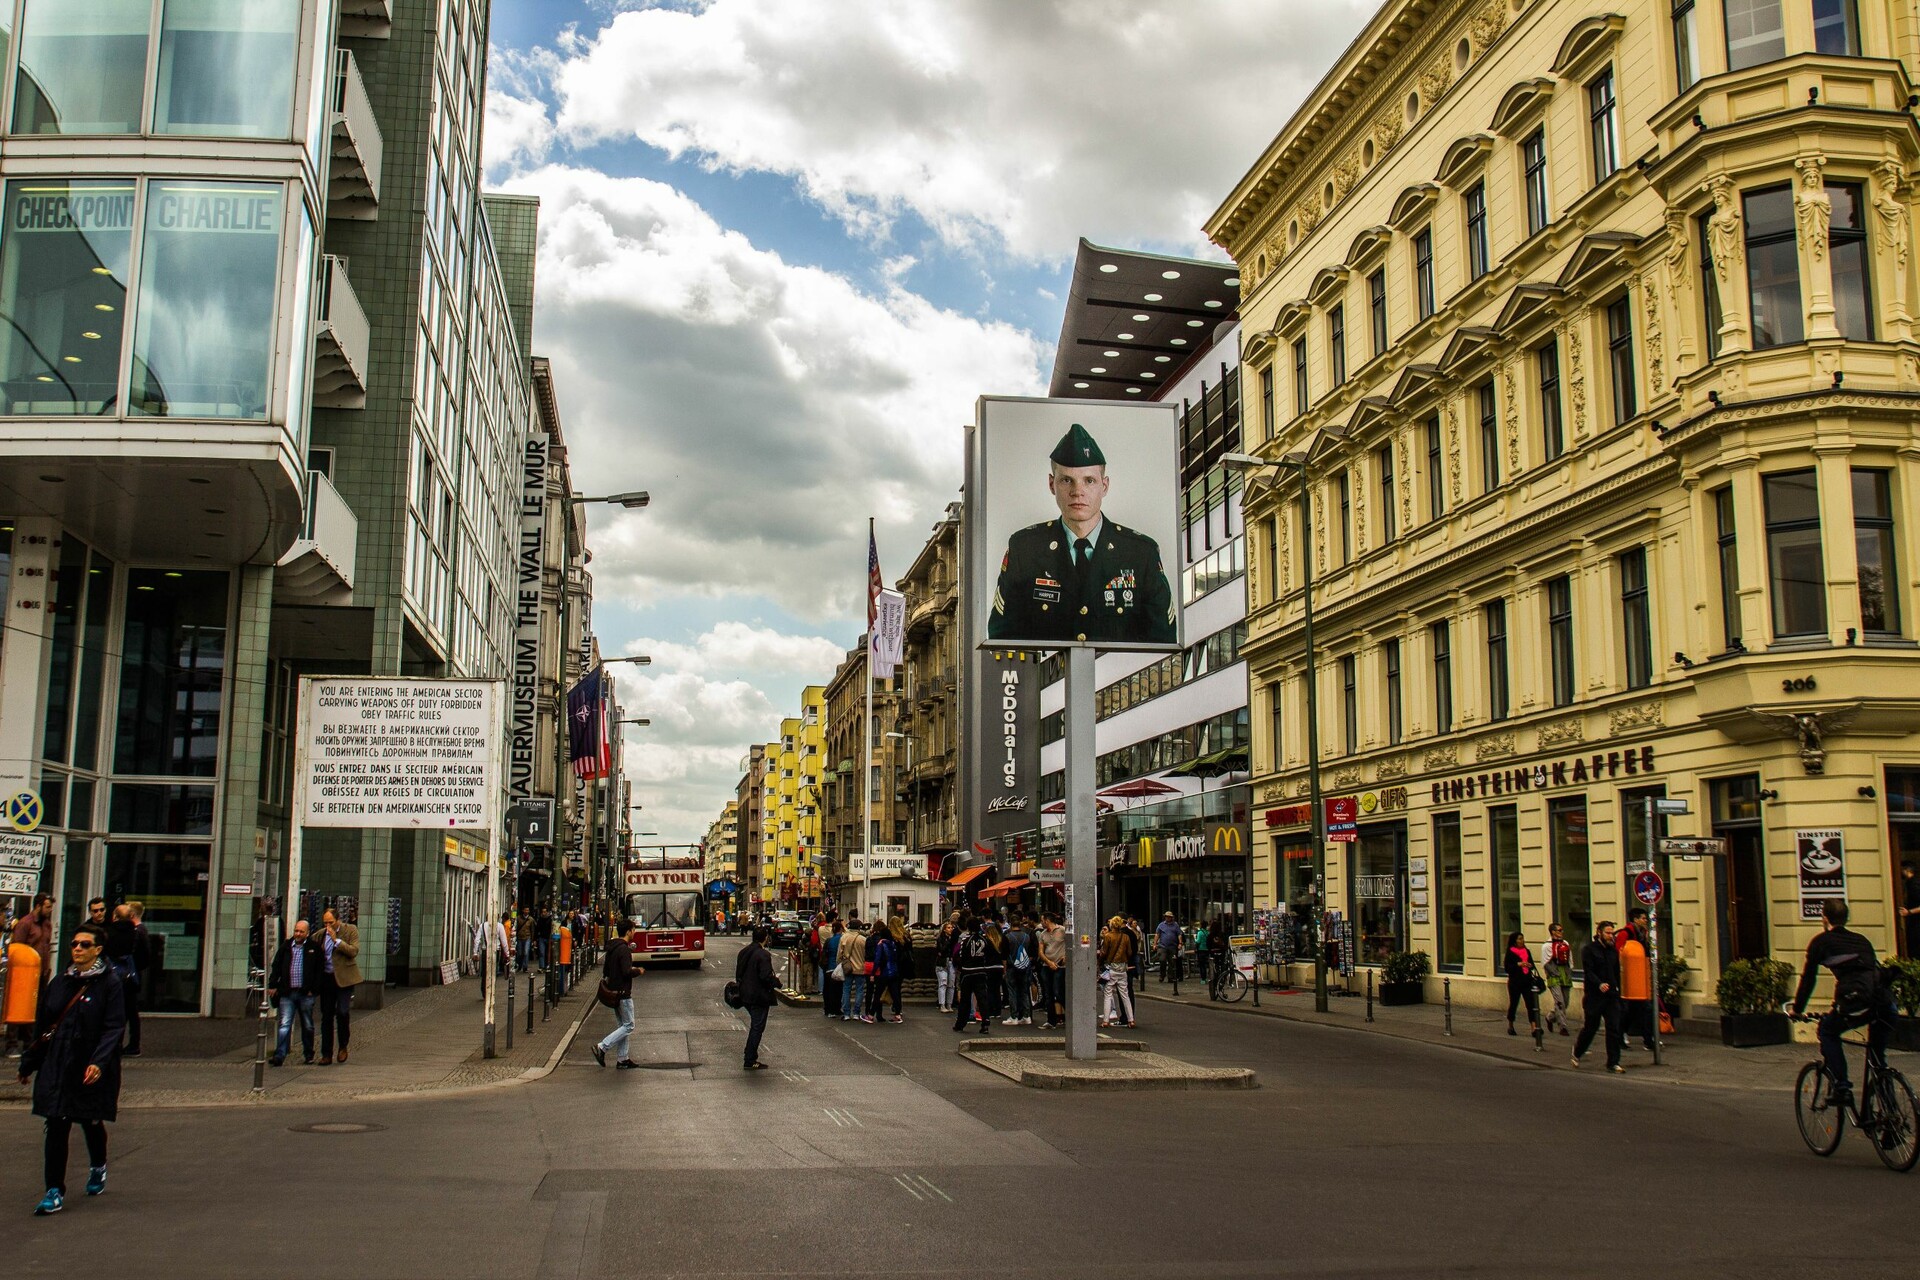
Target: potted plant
column 1906, row 995
column 1673, row 976
column 1403, row 977
column 1750, row 993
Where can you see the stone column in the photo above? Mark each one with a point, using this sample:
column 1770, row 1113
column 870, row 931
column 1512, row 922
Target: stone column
column 1813, row 221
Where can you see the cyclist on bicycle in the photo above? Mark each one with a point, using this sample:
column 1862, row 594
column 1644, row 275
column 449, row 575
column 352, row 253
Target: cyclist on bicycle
column 1859, row 997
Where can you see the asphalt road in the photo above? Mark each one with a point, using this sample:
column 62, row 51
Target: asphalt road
column 877, row 1150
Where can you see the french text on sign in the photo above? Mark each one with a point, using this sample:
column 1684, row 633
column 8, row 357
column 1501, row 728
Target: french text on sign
column 399, row 753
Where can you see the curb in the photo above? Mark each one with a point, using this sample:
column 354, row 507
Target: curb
column 1129, row 1072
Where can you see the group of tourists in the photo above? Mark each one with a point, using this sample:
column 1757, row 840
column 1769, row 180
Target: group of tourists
column 1618, row 991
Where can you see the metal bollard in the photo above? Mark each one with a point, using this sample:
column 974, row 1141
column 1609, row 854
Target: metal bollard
column 260, row 1039
column 529, row 1002
column 1446, row 997
column 1369, row 995
column 509, row 986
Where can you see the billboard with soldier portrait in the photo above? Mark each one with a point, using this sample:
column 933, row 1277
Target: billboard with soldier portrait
column 1074, row 537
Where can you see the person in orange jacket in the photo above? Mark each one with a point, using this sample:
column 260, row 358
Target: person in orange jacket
column 1636, row 977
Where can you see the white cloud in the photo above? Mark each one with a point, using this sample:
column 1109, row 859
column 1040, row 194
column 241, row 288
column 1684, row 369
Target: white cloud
column 517, row 132
column 999, row 122
column 741, row 646
column 769, row 408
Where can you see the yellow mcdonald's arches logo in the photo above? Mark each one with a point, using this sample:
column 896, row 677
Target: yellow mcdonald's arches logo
column 1145, row 856
column 1227, row 839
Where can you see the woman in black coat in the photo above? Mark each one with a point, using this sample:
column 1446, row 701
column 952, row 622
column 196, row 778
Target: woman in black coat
column 1521, row 983
column 76, row 1053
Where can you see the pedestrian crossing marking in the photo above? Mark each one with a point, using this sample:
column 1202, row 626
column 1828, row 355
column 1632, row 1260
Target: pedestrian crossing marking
column 843, row 1118
column 920, row 1189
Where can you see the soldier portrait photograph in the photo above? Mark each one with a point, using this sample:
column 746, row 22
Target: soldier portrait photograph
column 1081, row 574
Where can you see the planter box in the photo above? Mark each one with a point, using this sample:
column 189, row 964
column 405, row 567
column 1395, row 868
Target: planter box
column 1906, row 1034
column 1752, row 1030
column 1403, row 993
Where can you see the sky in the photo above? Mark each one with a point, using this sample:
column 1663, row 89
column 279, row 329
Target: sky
column 785, row 244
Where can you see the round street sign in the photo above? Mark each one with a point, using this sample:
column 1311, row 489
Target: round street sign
column 23, row 811
column 1648, row 887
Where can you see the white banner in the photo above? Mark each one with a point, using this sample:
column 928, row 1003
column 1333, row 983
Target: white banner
column 529, row 573
column 399, row 753
column 888, row 860
column 889, row 633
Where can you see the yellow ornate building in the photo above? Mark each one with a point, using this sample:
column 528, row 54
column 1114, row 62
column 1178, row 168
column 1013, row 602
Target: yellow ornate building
column 1586, row 327
column 791, row 819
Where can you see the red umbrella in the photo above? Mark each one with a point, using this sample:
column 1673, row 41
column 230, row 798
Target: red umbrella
column 1141, row 787
column 1060, row 806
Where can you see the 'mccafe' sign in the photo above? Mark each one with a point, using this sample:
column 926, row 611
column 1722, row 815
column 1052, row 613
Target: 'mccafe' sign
column 1007, row 759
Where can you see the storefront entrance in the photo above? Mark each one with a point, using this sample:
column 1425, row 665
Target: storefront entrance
column 1376, row 888
column 171, row 881
column 1903, row 831
column 1740, row 880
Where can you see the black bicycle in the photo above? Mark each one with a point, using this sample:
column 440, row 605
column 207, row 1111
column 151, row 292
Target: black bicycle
column 1883, row 1110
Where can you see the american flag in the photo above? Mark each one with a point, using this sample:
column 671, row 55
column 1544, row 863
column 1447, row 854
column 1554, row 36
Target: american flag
column 874, row 585
column 588, row 744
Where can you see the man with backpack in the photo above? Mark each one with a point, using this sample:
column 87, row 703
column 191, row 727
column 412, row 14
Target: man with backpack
column 830, row 967
column 1860, row 997
column 1019, row 975
column 980, row 966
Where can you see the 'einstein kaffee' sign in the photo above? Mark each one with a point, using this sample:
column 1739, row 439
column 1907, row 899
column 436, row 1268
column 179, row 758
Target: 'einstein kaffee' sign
column 1576, row 771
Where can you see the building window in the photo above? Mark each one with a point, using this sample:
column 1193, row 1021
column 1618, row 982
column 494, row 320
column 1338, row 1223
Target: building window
column 1603, row 126
column 1423, row 270
column 1636, row 618
column 1452, row 906
column 1686, row 44
column 1440, row 637
column 1796, row 574
column 1343, row 490
column 1267, row 422
column 1377, row 309
column 1773, row 268
column 1873, row 545
column 1572, row 865
column 226, row 68
column 1754, row 33
column 1350, row 704
column 1560, row 638
column 63, row 295
column 1479, row 260
column 1390, row 652
column 1626, row 401
column 1847, row 250
column 1337, row 344
column 1553, row 438
column 203, row 337
column 173, row 656
column 1729, row 555
column 1389, row 526
column 83, row 66
column 1533, row 159
column 1489, row 437
column 1503, row 843
column 1498, row 700
column 1709, row 285
column 1276, row 724
column 1436, row 472
column 1299, row 376
column 1836, row 27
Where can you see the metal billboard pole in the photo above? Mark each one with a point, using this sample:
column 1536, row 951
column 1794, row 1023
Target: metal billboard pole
column 1083, row 925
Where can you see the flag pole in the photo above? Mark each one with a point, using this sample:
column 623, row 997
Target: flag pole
column 866, row 763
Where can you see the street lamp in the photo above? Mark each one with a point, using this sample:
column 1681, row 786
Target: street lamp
column 913, row 793
column 631, row 501
column 1297, row 463
column 639, row 661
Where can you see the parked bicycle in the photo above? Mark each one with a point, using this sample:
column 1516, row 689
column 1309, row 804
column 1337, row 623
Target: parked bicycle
column 1226, row 983
column 1883, row 1110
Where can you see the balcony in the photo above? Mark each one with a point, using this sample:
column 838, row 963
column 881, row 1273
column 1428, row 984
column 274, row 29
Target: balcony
column 353, row 175
column 341, row 340
column 318, row 567
column 366, row 19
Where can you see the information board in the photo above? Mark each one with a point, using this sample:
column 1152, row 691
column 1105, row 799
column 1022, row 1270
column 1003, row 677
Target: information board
column 399, row 753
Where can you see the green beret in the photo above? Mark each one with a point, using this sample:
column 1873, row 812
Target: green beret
column 1078, row 449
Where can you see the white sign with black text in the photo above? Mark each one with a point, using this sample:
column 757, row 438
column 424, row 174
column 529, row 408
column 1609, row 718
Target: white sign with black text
column 399, row 753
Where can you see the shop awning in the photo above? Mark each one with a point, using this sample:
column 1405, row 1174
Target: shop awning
column 1004, row 886
column 968, row 876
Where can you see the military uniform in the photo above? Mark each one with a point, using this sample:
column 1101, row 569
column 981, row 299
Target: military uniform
column 1120, row 595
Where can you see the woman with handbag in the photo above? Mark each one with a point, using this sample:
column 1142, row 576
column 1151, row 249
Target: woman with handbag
column 943, row 971
column 76, row 1055
column 1559, row 974
column 616, row 992
column 1523, row 983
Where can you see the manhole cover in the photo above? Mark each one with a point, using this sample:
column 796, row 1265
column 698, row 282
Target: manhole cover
column 668, row 1066
column 336, row 1126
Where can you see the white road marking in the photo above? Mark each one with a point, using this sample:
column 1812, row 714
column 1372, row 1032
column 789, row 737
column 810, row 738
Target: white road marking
column 908, row 1187
column 930, row 1187
column 794, row 1076
column 843, row 1117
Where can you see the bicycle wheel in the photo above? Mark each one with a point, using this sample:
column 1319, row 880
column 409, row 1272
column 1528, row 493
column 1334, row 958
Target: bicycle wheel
column 1895, row 1131
column 1233, row 986
column 1821, row 1124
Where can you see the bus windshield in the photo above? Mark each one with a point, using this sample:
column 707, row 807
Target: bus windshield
column 667, row 910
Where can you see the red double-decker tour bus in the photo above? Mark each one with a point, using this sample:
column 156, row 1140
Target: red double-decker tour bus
column 668, row 906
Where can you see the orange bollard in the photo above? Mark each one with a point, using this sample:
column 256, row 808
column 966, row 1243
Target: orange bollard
column 23, row 984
